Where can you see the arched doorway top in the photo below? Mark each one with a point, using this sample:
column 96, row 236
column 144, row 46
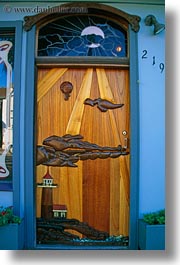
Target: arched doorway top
column 82, row 8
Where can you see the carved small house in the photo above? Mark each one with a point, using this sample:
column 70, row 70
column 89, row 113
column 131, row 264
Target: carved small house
column 59, row 211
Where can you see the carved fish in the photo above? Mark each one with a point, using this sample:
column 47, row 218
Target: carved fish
column 55, row 153
column 69, row 137
column 102, row 104
column 44, row 153
column 68, row 164
column 62, row 143
column 58, row 162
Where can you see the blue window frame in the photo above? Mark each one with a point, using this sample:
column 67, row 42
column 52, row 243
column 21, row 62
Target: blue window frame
column 7, row 48
column 11, row 35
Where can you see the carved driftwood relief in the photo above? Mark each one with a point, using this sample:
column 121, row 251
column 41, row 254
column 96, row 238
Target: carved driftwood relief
column 102, row 104
column 57, row 231
column 66, row 88
column 59, row 225
column 69, row 149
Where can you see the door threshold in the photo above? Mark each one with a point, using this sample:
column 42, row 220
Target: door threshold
column 68, row 247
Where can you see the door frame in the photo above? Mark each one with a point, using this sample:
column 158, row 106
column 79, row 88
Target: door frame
column 30, row 146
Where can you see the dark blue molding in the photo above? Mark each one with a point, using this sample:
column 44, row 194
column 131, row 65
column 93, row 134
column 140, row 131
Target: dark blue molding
column 29, row 145
column 134, row 143
column 7, row 186
column 16, row 120
column 15, row 185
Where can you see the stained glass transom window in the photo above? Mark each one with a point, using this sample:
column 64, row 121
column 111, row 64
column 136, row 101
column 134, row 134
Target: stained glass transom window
column 82, row 36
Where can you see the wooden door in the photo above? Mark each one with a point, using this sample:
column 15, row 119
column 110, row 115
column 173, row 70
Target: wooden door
column 96, row 191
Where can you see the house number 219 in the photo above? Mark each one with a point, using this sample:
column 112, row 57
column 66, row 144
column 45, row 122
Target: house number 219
column 145, row 56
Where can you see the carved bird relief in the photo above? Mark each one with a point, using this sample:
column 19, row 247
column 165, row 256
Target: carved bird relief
column 102, row 104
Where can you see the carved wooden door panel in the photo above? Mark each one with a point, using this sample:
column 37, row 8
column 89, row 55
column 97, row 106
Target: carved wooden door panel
column 88, row 109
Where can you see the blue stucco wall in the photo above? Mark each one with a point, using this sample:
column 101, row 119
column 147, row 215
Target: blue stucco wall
column 152, row 100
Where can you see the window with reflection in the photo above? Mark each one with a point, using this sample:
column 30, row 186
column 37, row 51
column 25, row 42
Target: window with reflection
column 82, row 36
column 7, row 44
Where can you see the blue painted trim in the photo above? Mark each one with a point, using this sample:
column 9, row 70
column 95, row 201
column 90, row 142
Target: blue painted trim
column 15, row 185
column 71, row 247
column 6, row 186
column 29, row 143
column 134, row 143
column 16, row 122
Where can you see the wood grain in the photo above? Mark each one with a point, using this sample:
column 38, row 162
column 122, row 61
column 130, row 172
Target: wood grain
column 97, row 191
column 75, row 120
column 48, row 81
column 118, row 167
